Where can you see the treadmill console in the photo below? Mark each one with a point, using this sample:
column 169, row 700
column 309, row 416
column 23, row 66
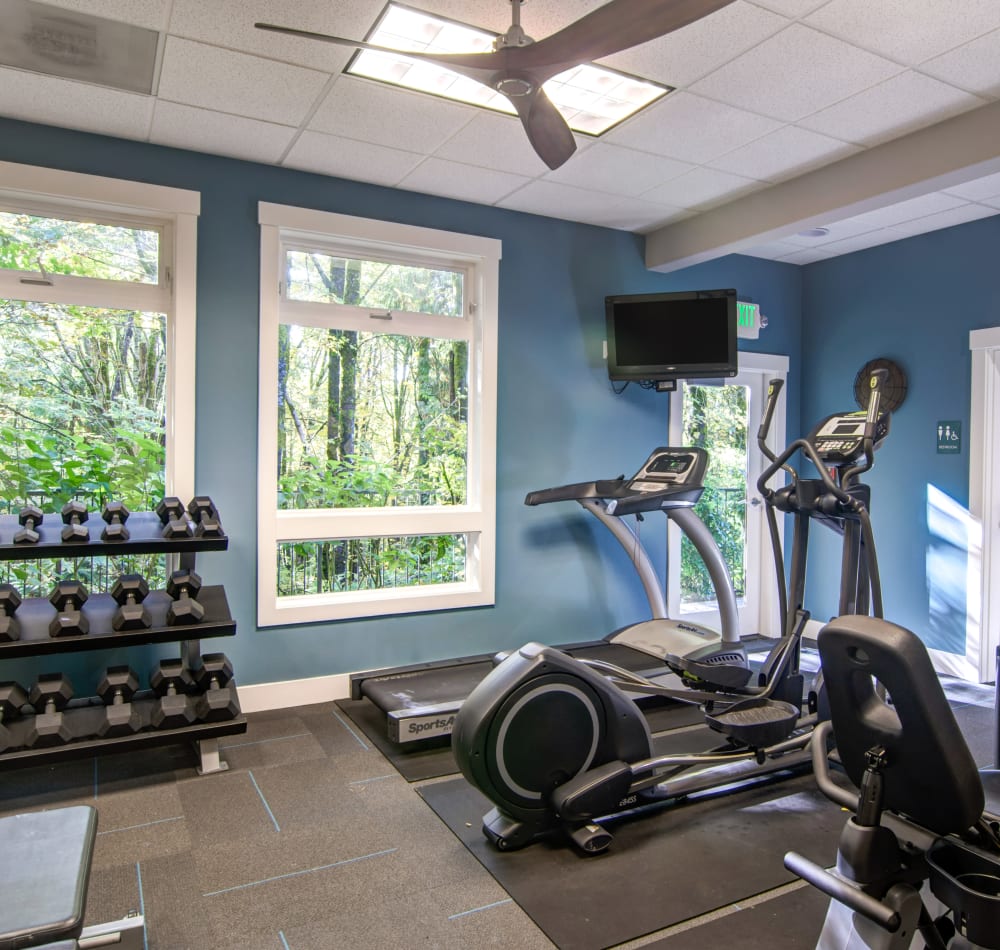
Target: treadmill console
column 671, row 468
column 839, row 439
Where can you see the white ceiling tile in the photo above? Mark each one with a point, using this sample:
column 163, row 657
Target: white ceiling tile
column 386, row 115
column 151, row 14
column 685, row 55
column 977, row 189
column 435, row 176
column 837, row 231
column 895, row 214
column 783, row 154
column 825, row 70
column 992, row 202
column 346, row 158
column 973, row 66
column 494, row 141
column 74, row 105
column 945, row 219
column 702, row 187
column 902, row 104
column 230, row 23
column 792, row 8
column 575, row 204
column 861, row 242
column 806, row 256
column 772, row 250
column 617, row 170
column 908, row 31
column 198, row 75
column 218, row 133
column 690, row 128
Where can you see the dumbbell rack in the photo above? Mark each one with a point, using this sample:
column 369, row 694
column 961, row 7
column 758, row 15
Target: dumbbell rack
column 35, row 613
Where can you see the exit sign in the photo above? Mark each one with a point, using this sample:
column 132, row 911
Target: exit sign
column 748, row 320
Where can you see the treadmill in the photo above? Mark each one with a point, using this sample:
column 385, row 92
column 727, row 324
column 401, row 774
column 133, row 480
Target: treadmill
column 420, row 701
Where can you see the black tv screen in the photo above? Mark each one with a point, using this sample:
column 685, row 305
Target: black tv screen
column 667, row 336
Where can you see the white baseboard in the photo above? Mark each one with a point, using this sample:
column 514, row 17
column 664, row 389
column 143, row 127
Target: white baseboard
column 262, row 697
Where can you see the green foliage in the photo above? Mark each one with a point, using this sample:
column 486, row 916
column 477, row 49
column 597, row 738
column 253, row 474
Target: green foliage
column 715, row 418
column 82, row 389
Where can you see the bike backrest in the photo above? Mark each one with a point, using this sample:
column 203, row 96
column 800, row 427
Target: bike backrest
column 930, row 776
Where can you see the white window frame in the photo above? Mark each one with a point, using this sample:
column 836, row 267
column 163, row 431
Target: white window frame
column 172, row 211
column 284, row 226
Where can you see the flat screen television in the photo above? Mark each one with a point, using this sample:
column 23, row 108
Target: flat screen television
column 664, row 337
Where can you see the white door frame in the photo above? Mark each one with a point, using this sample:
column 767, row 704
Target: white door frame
column 982, row 625
column 769, row 366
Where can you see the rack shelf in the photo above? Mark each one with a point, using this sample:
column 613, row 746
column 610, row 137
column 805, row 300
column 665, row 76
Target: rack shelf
column 34, row 615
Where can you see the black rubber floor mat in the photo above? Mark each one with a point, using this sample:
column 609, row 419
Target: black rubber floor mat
column 663, row 868
column 790, row 922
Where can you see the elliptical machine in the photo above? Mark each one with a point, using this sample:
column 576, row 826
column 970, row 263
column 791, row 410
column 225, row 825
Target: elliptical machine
column 556, row 743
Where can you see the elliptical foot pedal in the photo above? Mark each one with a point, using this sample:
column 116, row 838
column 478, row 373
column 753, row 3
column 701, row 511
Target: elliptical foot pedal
column 757, row 722
column 591, row 838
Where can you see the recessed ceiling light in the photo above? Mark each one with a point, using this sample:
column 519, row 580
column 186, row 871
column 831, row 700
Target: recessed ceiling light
column 591, row 99
column 814, row 232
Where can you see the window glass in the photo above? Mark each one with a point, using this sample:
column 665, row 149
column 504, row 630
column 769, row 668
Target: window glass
column 79, row 248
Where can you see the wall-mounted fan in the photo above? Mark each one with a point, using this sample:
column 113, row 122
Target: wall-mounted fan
column 518, row 66
column 893, row 391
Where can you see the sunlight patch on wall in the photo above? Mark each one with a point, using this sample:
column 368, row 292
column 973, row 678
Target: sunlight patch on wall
column 953, row 565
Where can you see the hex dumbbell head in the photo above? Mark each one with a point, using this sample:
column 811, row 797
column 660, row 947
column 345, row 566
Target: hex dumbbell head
column 10, row 600
column 115, row 514
column 183, row 586
column 218, row 701
column 49, row 696
column 206, row 517
column 12, row 698
column 68, row 597
column 116, row 690
column 129, row 592
column 172, row 683
column 74, row 514
column 173, row 518
column 29, row 518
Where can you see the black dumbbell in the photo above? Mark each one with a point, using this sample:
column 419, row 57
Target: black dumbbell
column 205, row 515
column 172, row 683
column 10, row 600
column 183, row 587
column 129, row 592
column 68, row 597
column 115, row 514
column 218, row 701
column 12, row 698
column 116, row 690
column 29, row 518
column 173, row 518
column 74, row 514
column 49, row 696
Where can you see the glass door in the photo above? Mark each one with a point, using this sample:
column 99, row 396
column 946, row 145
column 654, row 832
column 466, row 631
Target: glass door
column 723, row 419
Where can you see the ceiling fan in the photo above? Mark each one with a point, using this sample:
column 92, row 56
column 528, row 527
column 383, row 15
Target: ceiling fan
column 517, row 67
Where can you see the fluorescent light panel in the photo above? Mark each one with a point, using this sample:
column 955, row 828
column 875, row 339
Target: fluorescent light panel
column 592, row 99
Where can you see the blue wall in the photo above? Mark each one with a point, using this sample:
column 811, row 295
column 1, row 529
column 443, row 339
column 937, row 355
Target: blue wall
column 913, row 301
column 558, row 579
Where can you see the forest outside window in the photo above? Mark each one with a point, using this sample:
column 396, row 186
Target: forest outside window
column 377, row 417
column 96, row 294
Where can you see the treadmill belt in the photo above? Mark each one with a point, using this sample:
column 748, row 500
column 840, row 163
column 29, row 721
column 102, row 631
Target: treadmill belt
column 663, row 868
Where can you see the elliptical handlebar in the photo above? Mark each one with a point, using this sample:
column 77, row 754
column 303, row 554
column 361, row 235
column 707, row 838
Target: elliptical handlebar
column 876, row 381
column 773, row 390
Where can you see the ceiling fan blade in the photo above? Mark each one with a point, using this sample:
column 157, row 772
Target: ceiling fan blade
column 547, row 130
column 618, row 25
column 485, row 63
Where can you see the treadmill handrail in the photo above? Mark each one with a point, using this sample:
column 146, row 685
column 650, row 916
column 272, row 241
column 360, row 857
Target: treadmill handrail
column 602, row 488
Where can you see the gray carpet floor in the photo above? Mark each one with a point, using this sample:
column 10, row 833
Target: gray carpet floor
column 310, row 841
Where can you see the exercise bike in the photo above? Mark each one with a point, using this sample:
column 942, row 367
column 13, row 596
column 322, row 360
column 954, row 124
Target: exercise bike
column 557, row 743
column 921, row 853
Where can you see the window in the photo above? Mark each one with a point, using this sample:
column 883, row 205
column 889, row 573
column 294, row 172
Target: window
column 96, row 294
column 377, row 417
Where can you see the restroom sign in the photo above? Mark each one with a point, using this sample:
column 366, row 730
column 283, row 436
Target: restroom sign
column 949, row 437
